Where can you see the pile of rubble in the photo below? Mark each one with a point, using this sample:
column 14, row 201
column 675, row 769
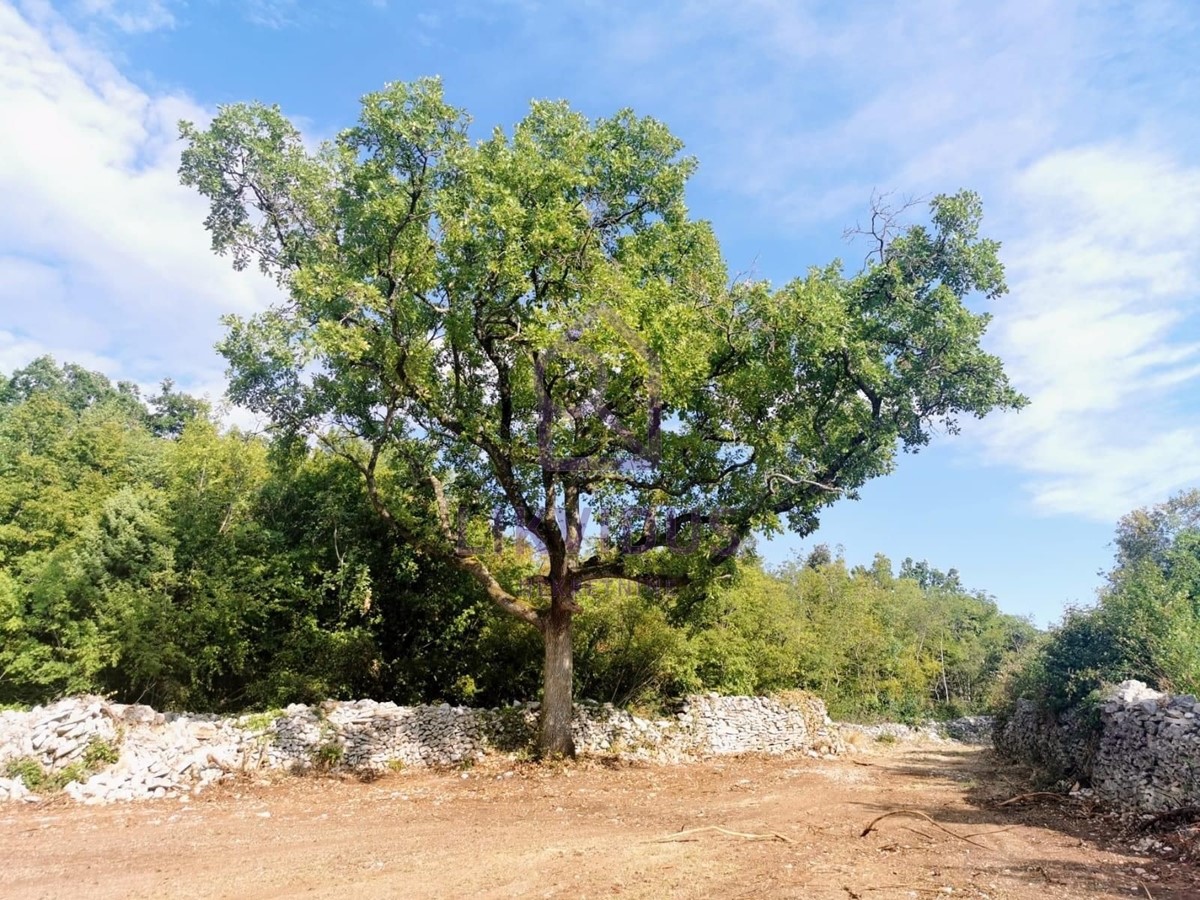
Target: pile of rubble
column 965, row 730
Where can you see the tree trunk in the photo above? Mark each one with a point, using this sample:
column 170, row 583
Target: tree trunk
column 558, row 686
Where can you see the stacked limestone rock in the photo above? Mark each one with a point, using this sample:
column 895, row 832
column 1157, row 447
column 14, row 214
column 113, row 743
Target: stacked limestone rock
column 600, row 729
column 55, row 736
column 1063, row 745
column 161, row 755
column 964, row 730
column 1149, row 753
column 1142, row 752
column 970, row 729
column 724, row 725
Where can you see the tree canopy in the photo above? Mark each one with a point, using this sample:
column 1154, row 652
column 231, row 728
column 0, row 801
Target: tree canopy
column 532, row 328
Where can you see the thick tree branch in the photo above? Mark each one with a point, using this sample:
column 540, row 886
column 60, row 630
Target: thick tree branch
column 474, row 566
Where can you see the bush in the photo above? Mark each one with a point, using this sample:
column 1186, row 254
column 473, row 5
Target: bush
column 1145, row 624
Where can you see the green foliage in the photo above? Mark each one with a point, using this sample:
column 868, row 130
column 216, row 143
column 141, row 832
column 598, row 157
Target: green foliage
column 197, row 569
column 260, row 721
column 500, row 329
column 328, row 754
column 1145, row 624
column 28, row 769
column 96, row 755
column 99, row 753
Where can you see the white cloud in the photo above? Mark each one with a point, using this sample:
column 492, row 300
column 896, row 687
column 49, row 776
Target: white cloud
column 16, row 352
column 1105, row 280
column 102, row 253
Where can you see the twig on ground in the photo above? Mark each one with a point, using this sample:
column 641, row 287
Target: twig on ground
column 993, row 831
column 1031, row 796
column 1142, row 885
column 1046, row 875
column 919, row 815
column 903, row 887
column 770, row 836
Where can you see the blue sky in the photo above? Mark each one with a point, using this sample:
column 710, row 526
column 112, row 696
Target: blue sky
column 1076, row 121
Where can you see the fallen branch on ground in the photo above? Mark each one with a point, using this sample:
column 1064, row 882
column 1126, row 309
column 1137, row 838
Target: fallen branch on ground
column 1170, row 816
column 992, row 831
column 901, row 887
column 920, row 815
column 1030, row 796
column 771, row 836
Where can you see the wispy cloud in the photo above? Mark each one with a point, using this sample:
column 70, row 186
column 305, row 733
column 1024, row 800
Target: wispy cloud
column 1101, row 329
column 130, row 16
column 104, row 256
column 272, row 13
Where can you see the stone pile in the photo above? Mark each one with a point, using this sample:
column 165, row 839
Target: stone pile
column 760, row 724
column 100, row 752
column 970, row 729
column 1140, row 750
column 56, row 736
column 966, row 730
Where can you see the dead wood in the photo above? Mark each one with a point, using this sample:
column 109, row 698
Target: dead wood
column 770, row 836
column 1032, row 795
column 920, row 815
column 1172, row 816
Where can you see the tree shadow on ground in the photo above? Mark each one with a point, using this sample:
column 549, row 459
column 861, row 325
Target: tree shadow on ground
column 1027, row 840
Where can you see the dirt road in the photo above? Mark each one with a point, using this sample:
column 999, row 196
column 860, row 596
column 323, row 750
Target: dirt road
column 590, row 830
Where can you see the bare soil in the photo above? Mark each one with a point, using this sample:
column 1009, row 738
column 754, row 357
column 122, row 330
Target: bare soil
column 589, row 829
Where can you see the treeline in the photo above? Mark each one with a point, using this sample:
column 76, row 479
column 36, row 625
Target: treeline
column 1145, row 623
column 147, row 554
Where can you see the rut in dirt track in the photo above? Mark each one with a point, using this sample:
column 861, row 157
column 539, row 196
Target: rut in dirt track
column 747, row 827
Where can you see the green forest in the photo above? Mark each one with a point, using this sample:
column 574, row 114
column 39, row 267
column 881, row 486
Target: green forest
column 150, row 555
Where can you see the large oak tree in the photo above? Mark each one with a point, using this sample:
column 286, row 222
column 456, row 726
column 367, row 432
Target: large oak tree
column 532, row 327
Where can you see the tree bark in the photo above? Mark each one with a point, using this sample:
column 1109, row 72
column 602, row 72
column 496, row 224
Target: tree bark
column 558, row 686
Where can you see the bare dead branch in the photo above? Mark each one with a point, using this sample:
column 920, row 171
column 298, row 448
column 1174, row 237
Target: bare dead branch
column 920, row 815
column 886, row 219
column 770, row 836
column 1032, row 795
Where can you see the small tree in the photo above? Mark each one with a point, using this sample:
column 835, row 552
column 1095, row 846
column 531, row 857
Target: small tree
column 532, row 328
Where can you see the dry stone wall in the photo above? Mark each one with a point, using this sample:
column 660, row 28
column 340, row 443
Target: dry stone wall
column 1139, row 750
column 100, row 752
column 965, row 730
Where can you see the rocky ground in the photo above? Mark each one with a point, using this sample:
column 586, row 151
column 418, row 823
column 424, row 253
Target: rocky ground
column 786, row 826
